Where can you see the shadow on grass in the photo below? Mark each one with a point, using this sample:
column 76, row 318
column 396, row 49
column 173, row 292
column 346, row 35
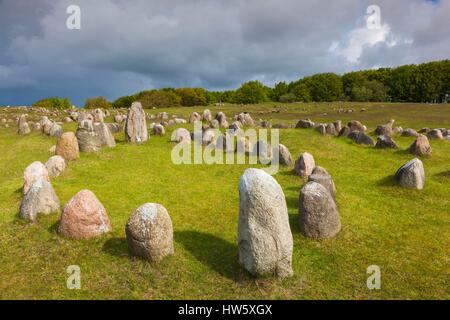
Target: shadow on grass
column 216, row 253
column 117, row 247
column 443, row 175
column 388, row 181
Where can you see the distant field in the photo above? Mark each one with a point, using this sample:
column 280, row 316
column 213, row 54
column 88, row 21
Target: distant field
column 405, row 232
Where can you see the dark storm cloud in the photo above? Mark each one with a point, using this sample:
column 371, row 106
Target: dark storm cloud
column 126, row 46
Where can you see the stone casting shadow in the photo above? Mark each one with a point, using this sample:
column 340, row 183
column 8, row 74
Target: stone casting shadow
column 216, row 253
column 117, row 247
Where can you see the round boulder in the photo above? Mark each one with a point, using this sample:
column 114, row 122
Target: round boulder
column 40, row 199
column 318, row 212
column 304, row 165
column 149, row 232
column 67, row 146
column 84, row 217
column 55, row 166
column 32, row 173
column 411, row 175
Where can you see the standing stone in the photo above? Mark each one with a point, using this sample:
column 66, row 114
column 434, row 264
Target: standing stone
column 356, row 126
column 84, row 217
column 386, row 142
column 304, row 165
column 411, row 175
column 222, row 119
column 158, row 130
column 56, row 130
column 318, row 212
column 321, row 128
column 136, row 124
column 195, row 117
column 24, row 128
column 67, row 146
column 435, row 134
column 385, row 130
column 215, row 124
column 410, row 133
column 337, row 126
column 331, row 129
column 55, row 166
column 263, row 150
column 421, row 147
column 321, row 176
column 106, row 137
column 244, row 146
column 98, row 115
column 225, row 142
column 344, row 132
column 40, row 199
column 361, row 138
column 207, row 116
column 181, row 135
column 208, row 137
column 245, row 119
column 305, row 124
column 284, row 157
column 32, row 173
column 264, row 235
column 149, row 232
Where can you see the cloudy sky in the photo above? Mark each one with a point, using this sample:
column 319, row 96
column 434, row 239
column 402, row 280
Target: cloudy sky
column 125, row 46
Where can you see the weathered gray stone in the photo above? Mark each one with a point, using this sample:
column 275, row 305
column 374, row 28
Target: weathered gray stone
column 285, row 157
column 304, row 165
column 410, row 133
column 136, row 124
column 386, row 142
column 320, row 175
column 318, row 212
column 435, row 134
column 421, row 146
column 149, row 232
column 264, row 235
column 305, row 124
column 411, row 175
column 39, row 199
column 361, row 138
column 158, row 130
column 32, row 173
column 181, row 135
column 55, row 166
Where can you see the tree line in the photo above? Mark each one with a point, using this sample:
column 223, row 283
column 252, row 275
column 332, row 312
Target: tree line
column 427, row 82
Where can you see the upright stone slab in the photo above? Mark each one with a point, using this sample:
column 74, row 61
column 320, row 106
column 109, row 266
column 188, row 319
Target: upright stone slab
column 55, row 166
column 264, row 234
column 304, row 165
column 149, row 232
column 67, row 146
column 318, row 212
column 136, row 124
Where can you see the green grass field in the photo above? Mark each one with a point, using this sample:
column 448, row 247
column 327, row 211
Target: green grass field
column 405, row 232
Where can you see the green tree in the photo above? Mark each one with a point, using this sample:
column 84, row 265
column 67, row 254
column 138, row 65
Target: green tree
column 123, row 102
column 251, row 92
column 97, row 103
column 54, row 102
column 192, row 96
column 158, row 98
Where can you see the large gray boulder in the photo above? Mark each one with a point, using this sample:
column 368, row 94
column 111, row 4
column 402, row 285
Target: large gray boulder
column 264, row 235
column 304, row 165
column 149, row 232
column 411, row 175
column 181, row 135
column 318, row 212
column 305, row 124
column 88, row 139
column 40, row 199
column 136, row 124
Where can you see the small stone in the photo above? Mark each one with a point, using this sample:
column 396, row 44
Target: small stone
column 304, row 165
column 55, row 166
